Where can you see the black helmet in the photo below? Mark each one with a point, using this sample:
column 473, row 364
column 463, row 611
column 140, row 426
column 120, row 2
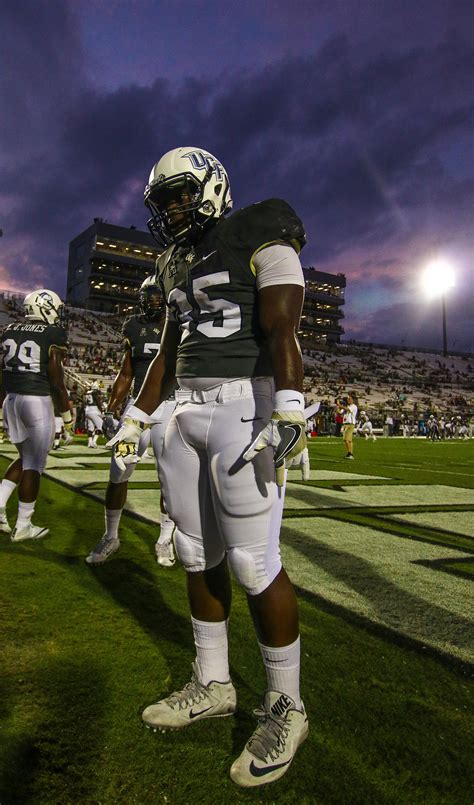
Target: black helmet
column 150, row 298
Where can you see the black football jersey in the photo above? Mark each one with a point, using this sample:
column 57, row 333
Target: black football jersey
column 26, row 347
column 142, row 337
column 212, row 291
column 93, row 397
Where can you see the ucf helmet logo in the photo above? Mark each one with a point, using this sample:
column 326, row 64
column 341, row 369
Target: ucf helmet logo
column 46, row 299
column 205, row 162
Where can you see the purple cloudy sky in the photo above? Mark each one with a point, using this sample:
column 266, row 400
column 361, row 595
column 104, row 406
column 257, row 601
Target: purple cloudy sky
column 360, row 114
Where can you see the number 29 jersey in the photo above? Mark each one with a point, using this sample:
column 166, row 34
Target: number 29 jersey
column 211, row 290
column 142, row 337
column 26, row 348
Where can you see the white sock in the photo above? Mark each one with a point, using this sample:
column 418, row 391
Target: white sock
column 6, row 489
column 282, row 666
column 166, row 529
column 112, row 520
column 25, row 513
column 94, row 438
column 212, row 653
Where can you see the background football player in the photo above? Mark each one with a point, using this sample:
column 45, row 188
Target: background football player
column 32, row 376
column 349, row 422
column 93, row 415
column 60, row 433
column 365, row 427
column 234, row 291
column 142, row 335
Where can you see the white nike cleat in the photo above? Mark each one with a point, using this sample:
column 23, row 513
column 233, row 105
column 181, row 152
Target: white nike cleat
column 193, row 703
column 68, row 438
column 4, row 525
column 269, row 752
column 165, row 555
column 29, row 531
column 103, row 550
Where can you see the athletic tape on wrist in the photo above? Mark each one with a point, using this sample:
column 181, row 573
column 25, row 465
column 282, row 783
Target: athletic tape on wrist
column 288, row 400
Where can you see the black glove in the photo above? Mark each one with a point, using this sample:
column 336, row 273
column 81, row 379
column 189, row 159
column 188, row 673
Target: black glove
column 109, row 425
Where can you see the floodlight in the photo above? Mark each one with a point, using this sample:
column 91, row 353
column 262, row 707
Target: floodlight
column 438, row 277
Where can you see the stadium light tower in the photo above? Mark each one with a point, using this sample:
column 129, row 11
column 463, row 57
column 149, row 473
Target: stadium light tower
column 438, row 278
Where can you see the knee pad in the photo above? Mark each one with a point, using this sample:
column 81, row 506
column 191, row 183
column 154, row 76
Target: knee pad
column 190, row 552
column 251, row 573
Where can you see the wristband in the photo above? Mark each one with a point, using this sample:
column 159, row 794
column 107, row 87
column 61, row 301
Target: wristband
column 66, row 417
column 136, row 413
column 288, row 400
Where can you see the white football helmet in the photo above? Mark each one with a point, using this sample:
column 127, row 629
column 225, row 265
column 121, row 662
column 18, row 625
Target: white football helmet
column 187, row 191
column 44, row 305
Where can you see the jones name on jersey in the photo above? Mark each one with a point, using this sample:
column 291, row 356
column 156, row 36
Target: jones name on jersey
column 211, row 291
column 142, row 337
column 26, row 347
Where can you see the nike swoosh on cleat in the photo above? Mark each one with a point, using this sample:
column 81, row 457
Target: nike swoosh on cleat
column 293, row 401
column 199, row 713
column 254, row 419
column 255, row 771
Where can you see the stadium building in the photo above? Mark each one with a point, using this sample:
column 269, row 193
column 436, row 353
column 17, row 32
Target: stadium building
column 322, row 309
column 108, row 263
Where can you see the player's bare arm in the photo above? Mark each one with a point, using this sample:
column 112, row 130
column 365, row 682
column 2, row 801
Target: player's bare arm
column 58, row 386
column 279, row 313
column 2, row 390
column 56, row 379
column 160, row 380
column 122, row 383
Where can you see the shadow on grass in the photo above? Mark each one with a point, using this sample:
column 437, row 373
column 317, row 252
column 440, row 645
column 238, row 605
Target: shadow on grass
column 52, row 748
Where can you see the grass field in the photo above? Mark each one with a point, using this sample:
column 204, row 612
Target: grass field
column 381, row 551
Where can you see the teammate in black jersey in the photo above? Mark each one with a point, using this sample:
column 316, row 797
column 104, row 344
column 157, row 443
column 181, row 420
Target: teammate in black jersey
column 141, row 337
column 234, row 291
column 32, row 377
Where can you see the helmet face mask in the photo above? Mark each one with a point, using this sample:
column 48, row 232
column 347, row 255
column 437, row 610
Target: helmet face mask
column 45, row 306
column 150, row 299
column 188, row 191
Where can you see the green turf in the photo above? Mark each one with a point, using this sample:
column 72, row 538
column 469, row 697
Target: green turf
column 83, row 649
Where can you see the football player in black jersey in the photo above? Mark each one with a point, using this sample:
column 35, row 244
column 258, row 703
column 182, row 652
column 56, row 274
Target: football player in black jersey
column 32, row 377
column 234, row 290
column 141, row 336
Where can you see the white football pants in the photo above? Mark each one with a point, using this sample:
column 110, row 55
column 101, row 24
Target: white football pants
column 220, row 503
column 93, row 418
column 30, row 423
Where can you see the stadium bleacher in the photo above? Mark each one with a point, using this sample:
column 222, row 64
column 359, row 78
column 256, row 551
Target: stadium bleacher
column 406, row 383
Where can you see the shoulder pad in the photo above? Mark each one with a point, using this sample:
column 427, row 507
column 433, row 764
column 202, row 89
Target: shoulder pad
column 259, row 225
column 163, row 260
column 58, row 335
column 127, row 326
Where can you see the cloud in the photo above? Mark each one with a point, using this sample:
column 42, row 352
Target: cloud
column 365, row 142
